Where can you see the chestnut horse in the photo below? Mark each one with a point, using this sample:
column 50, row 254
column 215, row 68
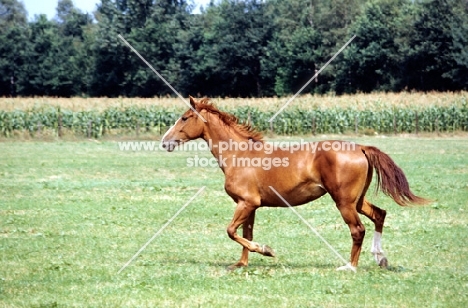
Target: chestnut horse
column 299, row 175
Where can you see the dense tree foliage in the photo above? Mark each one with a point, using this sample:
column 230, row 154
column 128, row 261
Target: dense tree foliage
column 234, row 47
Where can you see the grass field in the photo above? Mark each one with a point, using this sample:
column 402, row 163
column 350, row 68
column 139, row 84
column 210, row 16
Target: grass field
column 72, row 214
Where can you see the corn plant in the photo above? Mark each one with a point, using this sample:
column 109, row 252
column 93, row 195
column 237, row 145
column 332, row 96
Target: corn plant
column 293, row 120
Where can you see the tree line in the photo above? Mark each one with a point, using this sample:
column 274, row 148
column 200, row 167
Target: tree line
column 234, row 48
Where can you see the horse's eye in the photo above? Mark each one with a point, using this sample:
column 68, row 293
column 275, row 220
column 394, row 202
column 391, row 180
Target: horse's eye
column 184, row 119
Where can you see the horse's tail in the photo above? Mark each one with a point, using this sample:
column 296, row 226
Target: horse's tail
column 390, row 178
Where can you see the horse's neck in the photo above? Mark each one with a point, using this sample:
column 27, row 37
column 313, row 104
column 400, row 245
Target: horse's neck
column 219, row 136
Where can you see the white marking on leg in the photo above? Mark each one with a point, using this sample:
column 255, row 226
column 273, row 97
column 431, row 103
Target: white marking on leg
column 347, row 267
column 376, row 248
column 376, row 243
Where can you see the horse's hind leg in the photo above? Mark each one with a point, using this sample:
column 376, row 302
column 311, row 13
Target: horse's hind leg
column 377, row 216
column 358, row 231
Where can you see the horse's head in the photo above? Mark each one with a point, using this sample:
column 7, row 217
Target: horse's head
column 188, row 127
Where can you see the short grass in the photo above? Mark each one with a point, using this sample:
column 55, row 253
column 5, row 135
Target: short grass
column 72, row 214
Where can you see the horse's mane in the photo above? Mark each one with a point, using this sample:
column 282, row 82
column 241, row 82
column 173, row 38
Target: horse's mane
column 230, row 120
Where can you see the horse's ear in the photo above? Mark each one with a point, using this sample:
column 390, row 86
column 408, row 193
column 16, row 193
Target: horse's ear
column 192, row 101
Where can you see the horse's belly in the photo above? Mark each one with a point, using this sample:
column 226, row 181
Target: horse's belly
column 300, row 194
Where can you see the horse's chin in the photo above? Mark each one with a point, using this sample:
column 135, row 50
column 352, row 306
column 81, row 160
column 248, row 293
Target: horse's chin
column 171, row 145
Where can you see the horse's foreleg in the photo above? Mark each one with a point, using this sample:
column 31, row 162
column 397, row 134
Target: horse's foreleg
column 247, row 233
column 377, row 216
column 245, row 216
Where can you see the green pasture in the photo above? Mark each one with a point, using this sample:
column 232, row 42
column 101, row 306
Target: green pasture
column 73, row 213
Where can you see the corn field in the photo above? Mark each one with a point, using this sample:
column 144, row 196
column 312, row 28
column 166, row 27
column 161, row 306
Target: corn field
column 298, row 119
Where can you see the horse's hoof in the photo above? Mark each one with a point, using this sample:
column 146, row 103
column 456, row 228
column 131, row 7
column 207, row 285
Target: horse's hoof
column 383, row 263
column 236, row 266
column 268, row 251
column 347, row 267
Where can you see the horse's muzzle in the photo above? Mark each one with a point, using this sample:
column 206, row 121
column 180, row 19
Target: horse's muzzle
column 169, row 145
